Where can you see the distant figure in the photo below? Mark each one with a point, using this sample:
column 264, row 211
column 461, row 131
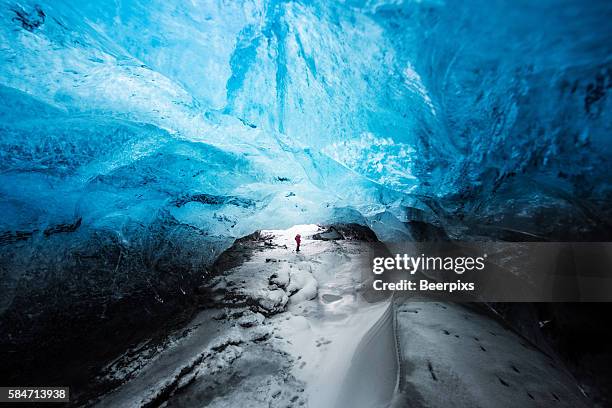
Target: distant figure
column 298, row 239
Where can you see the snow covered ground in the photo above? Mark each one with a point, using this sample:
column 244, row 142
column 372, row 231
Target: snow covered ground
column 453, row 354
column 285, row 331
column 290, row 329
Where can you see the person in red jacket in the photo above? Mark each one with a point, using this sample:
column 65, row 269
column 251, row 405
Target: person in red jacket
column 298, row 239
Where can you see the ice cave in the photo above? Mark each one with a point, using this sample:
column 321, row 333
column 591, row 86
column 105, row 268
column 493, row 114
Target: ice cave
column 140, row 141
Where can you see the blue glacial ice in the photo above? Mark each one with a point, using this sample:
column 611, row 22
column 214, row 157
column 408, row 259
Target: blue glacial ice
column 113, row 110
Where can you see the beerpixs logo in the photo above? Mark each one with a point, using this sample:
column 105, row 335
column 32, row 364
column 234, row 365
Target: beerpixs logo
column 411, row 264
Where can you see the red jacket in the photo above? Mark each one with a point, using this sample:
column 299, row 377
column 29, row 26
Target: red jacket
column 298, row 238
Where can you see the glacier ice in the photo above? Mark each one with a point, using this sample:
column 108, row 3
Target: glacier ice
column 354, row 105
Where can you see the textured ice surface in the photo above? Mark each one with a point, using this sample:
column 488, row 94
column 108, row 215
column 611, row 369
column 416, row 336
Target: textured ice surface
column 113, row 111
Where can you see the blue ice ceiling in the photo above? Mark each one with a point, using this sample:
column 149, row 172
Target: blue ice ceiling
column 229, row 116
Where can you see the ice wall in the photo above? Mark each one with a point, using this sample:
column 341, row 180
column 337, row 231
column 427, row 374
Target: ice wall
column 470, row 105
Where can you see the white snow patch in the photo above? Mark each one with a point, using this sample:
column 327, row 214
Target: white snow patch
column 302, row 286
column 272, row 301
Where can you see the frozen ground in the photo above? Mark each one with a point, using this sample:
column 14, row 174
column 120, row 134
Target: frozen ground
column 283, row 332
column 295, row 329
column 456, row 354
